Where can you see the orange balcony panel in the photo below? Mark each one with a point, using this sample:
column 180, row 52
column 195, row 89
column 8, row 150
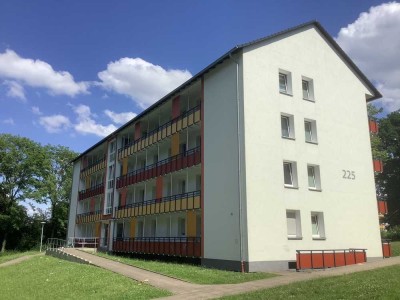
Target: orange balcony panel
column 378, row 165
column 373, row 126
column 382, row 207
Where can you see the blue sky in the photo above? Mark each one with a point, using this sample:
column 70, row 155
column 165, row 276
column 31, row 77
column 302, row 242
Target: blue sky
column 73, row 71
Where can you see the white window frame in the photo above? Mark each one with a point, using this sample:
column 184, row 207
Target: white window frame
column 288, row 82
column 293, row 216
column 315, row 170
column 310, row 91
column 313, row 136
column 290, row 125
column 291, row 166
column 318, row 219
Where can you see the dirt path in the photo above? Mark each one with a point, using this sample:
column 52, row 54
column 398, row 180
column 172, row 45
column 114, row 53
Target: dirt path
column 19, row 259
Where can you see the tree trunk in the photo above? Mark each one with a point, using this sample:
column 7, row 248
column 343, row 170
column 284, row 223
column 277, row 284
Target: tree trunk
column 4, row 242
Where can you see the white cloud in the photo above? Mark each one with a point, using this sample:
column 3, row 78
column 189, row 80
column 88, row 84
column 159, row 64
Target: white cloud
column 15, row 90
column 37, row 73
column 119, row 118
column 9, row 121
column 87, row 125
column 55, row 123
column 373, row 42
column 140, row 80
column 36, row 111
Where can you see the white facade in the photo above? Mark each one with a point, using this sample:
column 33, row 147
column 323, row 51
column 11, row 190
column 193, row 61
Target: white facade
column 285, row 162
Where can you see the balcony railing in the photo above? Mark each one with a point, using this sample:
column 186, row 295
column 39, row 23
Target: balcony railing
column 183, row 121
column 174, row 163
column 181, row 202
column 173, row 246
column 94, row 167
column 91, row 192
column 373, row 125
column 91, row 216
column 321, row 259
column 382, row 207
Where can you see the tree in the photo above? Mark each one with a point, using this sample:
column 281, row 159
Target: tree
column 22, row 170
column 56, row 187
column 389, row 180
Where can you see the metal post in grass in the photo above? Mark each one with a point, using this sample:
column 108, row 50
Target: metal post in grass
column 41, row 236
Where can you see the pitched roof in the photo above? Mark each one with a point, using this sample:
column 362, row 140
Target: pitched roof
column 316, row 24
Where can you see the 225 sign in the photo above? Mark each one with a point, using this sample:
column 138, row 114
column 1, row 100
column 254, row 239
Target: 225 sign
column 347, row 174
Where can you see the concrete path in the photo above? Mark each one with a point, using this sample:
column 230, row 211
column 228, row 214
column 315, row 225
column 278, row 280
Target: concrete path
column 185, row 290
column 19, row 259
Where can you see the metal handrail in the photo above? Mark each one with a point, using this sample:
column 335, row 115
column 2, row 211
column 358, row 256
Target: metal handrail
column 53, row 244
column 159, row 200
column 94, row 163
column 161, row 162
column 160, row 128
column 92, row 188
column 88, row 213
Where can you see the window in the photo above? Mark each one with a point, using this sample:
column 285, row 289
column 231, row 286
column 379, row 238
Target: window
column 285, row 82
column 108, row 209
column 314, row 182
column 317, row 225
column 153, row 228
column 120, row 230
column 293, row 224
column 181, row 227
column 290, row 174
column 282, row 83
column 310, row 130
column 287, row 126
column 308, row 88
column 139, row 229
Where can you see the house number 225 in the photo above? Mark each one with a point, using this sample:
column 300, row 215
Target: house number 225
column 349, row 174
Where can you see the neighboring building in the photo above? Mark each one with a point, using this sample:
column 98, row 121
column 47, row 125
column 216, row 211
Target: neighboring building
column 264, row 152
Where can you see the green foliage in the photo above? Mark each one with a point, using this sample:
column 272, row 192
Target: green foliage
column 376, row 284
column 29, row 170
column 46, row 277
column 396, row 248
column 388, row 182
column 393, row 233
column 190, row 273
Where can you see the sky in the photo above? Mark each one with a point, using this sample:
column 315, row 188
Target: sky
column 71, row 72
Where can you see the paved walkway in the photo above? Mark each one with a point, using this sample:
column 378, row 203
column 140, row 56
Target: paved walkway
column 185, row 290
column 19, row 259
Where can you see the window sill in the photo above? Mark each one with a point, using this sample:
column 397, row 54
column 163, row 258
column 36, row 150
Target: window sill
column 291, row 187
column 311, row 142
column 286, row 93
column 289, row 138
column 294, row 237
column 309, row 100
column 315, row 190
column 319, row 238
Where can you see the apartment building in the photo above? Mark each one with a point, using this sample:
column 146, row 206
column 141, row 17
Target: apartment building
column 263, row 153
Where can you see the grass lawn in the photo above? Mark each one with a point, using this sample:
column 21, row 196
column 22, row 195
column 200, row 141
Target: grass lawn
column 45, row 277
column 396, row 248
column 10, row 255
column 190, row 273
column 376, row 284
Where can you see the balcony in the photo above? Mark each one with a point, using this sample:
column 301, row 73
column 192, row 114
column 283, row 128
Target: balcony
column 168, row 204
column 94, row 167
column 177, row 124
column 373, row 126
column 92, row 216
column 321, row 259
column 378, row 165
column 91, row 192
column 174, row 163
column 382, row 207
column 172, row 246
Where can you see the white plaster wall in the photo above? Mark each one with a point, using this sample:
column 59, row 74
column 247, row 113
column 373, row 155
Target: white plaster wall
column 349, row 206
column 74, row 199
column 221, row 193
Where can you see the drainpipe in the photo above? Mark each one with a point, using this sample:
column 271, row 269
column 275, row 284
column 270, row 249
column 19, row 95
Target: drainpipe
column 239, row 139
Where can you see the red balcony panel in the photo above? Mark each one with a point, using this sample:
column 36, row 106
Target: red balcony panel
column 386, row 249
column 91, row 192
column 382, row 207
column 373, row 126
column 378, row 166
column 320, row 259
